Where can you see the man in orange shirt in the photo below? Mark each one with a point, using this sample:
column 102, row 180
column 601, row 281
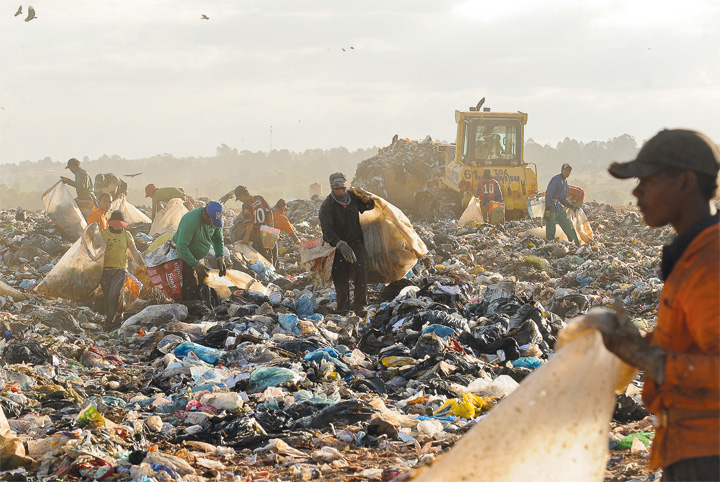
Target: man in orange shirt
column 677, row 172
column 99, row 212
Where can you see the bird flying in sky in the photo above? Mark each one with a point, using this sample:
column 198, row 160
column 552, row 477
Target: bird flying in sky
column 19, row 12
column 31, row 14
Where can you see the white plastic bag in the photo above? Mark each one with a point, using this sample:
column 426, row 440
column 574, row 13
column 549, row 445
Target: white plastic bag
column 64, row 212
column 78, row 272
column 472, row 213
column 582, row 226
column 392, row 244
column 554, row 425
column 169, row 218
column 132, row 214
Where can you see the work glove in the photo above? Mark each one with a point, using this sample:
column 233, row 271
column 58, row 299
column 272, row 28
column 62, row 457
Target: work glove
column 621, row 337
column 361, row 194
column 201, row 272
column 346, row 251
column 221, row 266
column 227, row 197
column 64, row 179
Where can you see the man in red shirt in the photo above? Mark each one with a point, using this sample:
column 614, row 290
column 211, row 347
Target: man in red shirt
column 255, row 213
column 487, row 191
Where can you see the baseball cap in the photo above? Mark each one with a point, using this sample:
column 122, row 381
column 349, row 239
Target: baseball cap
column 338, row 180
column 215, row 210
column 72, row 162
column 117, row 220
column 682, row 148
column 149, row 190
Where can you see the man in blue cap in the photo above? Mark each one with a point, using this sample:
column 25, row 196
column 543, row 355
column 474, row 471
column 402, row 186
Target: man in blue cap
column 197, row 231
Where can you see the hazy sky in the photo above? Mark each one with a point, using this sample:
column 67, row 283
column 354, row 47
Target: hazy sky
column 139, row 78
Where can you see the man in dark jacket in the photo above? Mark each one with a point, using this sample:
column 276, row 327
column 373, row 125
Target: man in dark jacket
column 340, row 223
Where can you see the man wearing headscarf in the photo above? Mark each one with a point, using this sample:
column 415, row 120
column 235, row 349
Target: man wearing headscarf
column 340, row 223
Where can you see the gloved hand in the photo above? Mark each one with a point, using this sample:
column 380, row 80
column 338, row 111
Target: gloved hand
column 201, row 272
column 361, row 194
column 227, row 197
column 221, row 266
column 64, row 179
column 622, row 338
column 346, row 251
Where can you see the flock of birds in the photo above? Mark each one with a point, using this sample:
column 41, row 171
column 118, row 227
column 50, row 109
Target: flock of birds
column 30, row 13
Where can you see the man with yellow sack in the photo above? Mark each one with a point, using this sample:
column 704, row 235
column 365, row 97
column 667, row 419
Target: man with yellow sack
column 340, row 223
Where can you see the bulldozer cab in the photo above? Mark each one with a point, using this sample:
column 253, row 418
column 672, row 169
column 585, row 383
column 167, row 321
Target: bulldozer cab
column 491, row 143
column 490, row 138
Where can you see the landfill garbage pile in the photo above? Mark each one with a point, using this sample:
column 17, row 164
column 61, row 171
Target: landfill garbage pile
column 400, row 170
column 270, row 382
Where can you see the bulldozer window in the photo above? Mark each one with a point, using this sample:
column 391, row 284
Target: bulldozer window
column 490, row 142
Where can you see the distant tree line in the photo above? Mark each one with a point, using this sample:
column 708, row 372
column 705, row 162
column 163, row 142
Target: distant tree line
column 288, row 174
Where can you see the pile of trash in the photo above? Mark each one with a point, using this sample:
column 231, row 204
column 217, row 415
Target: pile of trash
column 267, row 380
column 400, row 170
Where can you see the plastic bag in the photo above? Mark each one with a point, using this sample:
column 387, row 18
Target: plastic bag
column 78, row 272
column 269, row 236
column 472, row 213
column 164, row 267
column 561, row 413
column 392, row 245
column 249, row 254
column 63, row 210
column 130, row 292
column 132, row 214
column 318, row 257
column 234, row 278
column 169, row 218
column 582, row 226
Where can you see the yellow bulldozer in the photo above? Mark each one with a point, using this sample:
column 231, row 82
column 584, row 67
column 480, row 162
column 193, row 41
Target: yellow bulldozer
column 485, row 140
column 494, row 141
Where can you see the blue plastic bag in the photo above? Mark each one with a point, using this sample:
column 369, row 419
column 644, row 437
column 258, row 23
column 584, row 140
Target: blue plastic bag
column 206, row 354
column 305, row 305
column 440, row 330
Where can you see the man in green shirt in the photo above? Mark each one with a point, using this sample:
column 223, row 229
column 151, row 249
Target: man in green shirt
column 165, row 194
column 83, row 184
column 197, row 231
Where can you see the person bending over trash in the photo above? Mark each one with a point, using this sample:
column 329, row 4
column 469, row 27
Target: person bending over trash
column 555, row 199
column 340, row 224
column 255, row 213
column 99, row 212
column 677, row 172
column 118, row 242
column 197, row 231
column 165, row 194
column 110, row 183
